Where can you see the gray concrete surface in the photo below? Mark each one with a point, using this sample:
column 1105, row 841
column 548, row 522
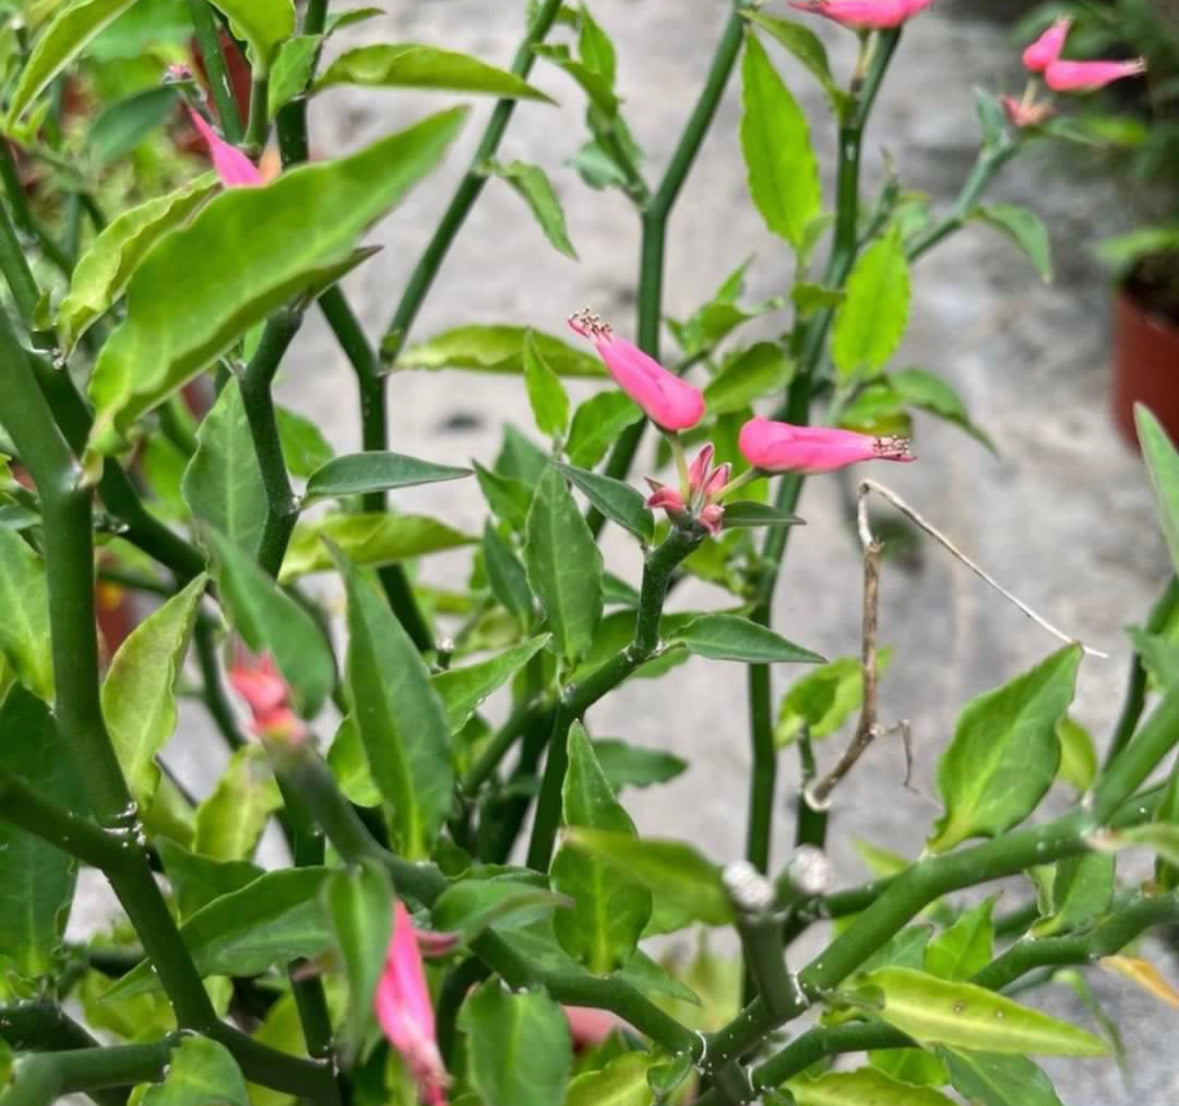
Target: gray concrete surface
column 1063, row 517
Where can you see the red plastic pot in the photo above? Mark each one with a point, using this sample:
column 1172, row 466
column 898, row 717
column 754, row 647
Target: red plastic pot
column 1145, row 366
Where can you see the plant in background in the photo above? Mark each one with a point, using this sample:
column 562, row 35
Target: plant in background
column 149, row 308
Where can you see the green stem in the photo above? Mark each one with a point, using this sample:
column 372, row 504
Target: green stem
column 258, row 126
column 497, row 748
column 765, row 963
column 282, row 507
column 811, row 824
column 577, row 699
column 22, row 214
column 39, row 1079
column 458, row 982
column 15, row 267
column 315, row 17
column 204, row 25
column 216, row 701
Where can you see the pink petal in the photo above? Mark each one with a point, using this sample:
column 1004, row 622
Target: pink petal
column 666, row 497
column 1046, row 49
column 864, row 15
column 234, row 169
column 1088, row 76
column 711, row 518
column 781, row 447
column 699, row 467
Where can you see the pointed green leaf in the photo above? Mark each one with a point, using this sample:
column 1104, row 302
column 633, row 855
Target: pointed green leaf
column 626, row 765
column 269, row 621
column 473, row 905
column 358, row 473
column 564, row 566
column 603, row 928
column 199, row 1072
column 1082, row 890
column 622, row 1082
column 24, row 626
column 991, row 116
column 1162, row 463
column 139, row 692
column 399, row 715
column 961, row 1015
column 729, row 637
column 38, row 879
column 1005, row 753
column 675, row 873
column 911, row 1065
column 783, row 172
column 546, row 393
column 231, row 820
column 359, row 904
column 70, row 32
column 1024, row 228
column 507, row 576
column 966, row 947
column 995, row 1079
column 197, row 880
column 597, row 423
column 240, row 262
column 871, row 322
column 304, row 447
column 410, row 65
column 102, row 272
column 761, row 370
column 349, row 764
column 507, row 497
column 222, row 484
column 127, row 122
column 617, row 500
column 292, row 70
column 1078, row 755
column 930, row 393
column 264, row 24
column 748, row 514
column 593, row 83
column 518, row 1046
column 463, row 690
column 823, row 700
column 533, row 185
column 497, row 349
column 339, row 20
column 865, row 1087
column 808, row 48
column 809, row 298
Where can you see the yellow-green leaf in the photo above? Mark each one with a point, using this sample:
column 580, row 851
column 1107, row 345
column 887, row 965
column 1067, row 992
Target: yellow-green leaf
column 622, row 1082
column 24, row 625
column 497, row 349
column 865, row 1087
column 231, row 820
column 264, row 24
column 871, row 321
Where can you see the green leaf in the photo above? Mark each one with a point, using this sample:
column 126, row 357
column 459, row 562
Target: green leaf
column 1005, row 753
column 231, row 820
column 349, row 764
column 240, row 262
column 602, row 929
column 617, row 500
column 507, row 576
column 729, row 637
column 1162, row 463
column 711, row 323
column 222, row 484
column 546, row 394
column 103, row 271
column 564, row 566
column 597, row 423
column 269, row 621
column 24, row 626
column 1078, row 755
column 126, row 123
column 809, row 298
column 783, row 172
column 497, row 349
column 463, row 690
column 507, row 497
column 676, row 874
column 292, row 70
column 533, row 185
column 871, row 322
column 197, row 880
column 199, row 1072
column 303, row 445
column 370, row 540
column 865, row 1087
column 995, row 1079
column 823, row 700
column 595, row 85
column 1024, row 228
column 965, row 948
column 911, row 1065
column 339, row 20
column 930, row 393
column 473, row 905
column 70, row 32
column 622, row 1082
column 410, row 65
column 359, row 903
column 399, row 715
column 626, row 765
column 961, row 1015
column 1161, row 837
column 274, row 919
column 139, row 692
column 38, row 879
column 747, row 514
column 1082, row 890
column 358, row 473
column 763, row 369
column 518, row 1046
column 264, row 24
column 808, row 48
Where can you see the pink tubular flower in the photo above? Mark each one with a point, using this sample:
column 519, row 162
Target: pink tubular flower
column 1046, row 49
column 663, row 396
column 1023, row 113
column 234, row 169
column 1088, row 76
column 402, row 1004
column 780, row 447
column 705, row 483
column 265, row 692
column 864, row 15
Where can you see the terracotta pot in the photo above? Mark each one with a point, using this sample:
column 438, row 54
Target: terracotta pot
column 1145, row 366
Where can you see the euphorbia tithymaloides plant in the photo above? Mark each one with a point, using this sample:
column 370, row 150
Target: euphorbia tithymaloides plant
column 420, row 943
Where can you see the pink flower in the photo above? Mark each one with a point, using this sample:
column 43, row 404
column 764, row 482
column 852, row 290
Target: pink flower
column 265, row 692
column 589, row 1026
column 1046, row 49
column 1026, row 114
column 1088, row 76
column 864, row 15
column 233, row 167
column 780, row 447
column 705, row 483
column 663, row 396
column 402, row 1004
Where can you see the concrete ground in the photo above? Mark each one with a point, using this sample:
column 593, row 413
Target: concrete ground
column 1062, row 517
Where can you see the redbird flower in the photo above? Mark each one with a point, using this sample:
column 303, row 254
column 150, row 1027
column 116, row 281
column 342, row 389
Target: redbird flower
column 864, row 15
column 780, row 447
column 705, row 484
column 1046, row 49
column 665, row 399
column 1088, row 76
column 264, row 691
column 1026, row 113
column 403, row 1009
column 234, row 169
